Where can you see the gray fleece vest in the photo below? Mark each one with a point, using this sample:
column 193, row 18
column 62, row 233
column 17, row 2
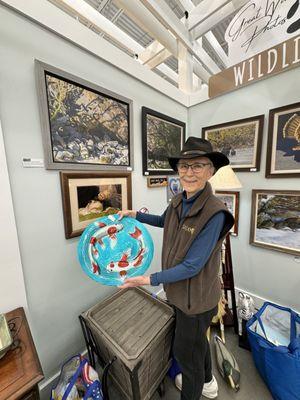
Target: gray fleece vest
column 203, row 291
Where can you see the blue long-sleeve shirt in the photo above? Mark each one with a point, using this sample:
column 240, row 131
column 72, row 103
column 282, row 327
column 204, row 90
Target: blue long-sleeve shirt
column 199, row 251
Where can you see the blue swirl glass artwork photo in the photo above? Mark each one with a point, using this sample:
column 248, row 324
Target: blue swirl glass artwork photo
column 111, row 250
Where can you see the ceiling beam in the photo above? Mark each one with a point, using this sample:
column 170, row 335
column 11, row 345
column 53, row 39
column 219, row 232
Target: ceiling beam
column 206, row 59
column 185, row 69
column 188, row 5
column 212, row 20
column 158, row 59
column 204, row 10
column 218, row 49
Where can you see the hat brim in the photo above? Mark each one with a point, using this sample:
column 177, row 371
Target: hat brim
column 218, row 159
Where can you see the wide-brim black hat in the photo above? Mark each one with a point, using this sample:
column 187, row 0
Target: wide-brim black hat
column 198, row 147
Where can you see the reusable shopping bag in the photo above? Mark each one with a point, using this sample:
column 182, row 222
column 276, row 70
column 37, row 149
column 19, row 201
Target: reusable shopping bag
column 77, row 381
column 274, row 337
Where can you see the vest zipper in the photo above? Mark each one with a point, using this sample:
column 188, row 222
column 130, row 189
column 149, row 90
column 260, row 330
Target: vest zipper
column 189, row 293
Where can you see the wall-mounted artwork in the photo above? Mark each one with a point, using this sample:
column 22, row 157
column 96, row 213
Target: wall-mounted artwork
column 231, row 201
column 283, row 156
column 174, row 187
column 87, row 196
column 239, row 140
column 158, row 181
column 84, row 126
column 162, row 137
column 275, row 220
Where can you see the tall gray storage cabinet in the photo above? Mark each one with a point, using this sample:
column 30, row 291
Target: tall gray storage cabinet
column 137, row 329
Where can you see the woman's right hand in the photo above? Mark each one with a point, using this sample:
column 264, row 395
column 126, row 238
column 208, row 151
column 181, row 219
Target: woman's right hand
column 127, row 213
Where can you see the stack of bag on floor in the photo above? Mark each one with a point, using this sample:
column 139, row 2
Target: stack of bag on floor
column 274, row 336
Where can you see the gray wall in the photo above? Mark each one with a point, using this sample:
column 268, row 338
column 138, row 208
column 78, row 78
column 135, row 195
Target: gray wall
column 56, row 287
column 266, row 273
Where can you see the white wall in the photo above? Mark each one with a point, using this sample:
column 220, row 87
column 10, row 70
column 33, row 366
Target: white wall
column 12, row 287
column 266, row 273
column 57, row 289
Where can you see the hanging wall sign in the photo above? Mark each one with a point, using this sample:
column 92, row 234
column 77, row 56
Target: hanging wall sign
column 273, row 61
column 260, row 25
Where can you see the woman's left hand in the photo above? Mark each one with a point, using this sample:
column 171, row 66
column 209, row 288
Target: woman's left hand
column 136, row 281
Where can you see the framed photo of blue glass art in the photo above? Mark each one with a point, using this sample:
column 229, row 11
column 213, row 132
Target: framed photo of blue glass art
column 239, row 140
column 283, row 154
column 275, row 222
column 174, row 187
column 87, row 196
column 162, row 137
column 84, row 126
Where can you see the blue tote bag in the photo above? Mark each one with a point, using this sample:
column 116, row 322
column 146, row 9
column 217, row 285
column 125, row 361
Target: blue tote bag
column 274, row 337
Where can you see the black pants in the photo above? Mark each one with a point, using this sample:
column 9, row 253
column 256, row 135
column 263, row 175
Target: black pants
column 192, row 352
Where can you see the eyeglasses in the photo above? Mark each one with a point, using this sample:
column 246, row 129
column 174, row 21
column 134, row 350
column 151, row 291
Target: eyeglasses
column 197, row 167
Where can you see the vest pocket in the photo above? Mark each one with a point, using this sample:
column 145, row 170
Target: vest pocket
column 189, row 293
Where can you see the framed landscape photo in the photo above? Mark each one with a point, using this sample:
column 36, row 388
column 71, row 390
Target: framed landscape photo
column 239, row 140
column 231, row 201
column 162, row 137
column 283, row 152
column 87, row 196
column 84, row 126
column 275, row 220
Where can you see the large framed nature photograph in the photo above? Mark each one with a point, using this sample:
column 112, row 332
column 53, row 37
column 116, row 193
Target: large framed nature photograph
column 231, row 201
column 84, row 126
column 162, row 137
column 283, row 154
column 275, row 220
column 87, row 196
column 239, row 140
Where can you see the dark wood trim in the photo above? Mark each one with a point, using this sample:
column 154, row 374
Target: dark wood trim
column 268, row 173
column 253, row 215
column 64, row 181
column 260, row 119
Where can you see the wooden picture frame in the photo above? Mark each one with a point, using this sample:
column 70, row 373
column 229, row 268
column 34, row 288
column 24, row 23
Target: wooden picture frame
column 159, row 181
column 275, row 220
column 162, row 137
column 87, row 196
column 283, row 151
column 231, row 200
column 239, row 140
column 84, row 126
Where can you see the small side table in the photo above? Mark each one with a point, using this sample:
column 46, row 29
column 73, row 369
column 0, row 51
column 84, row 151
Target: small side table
column 20, row 369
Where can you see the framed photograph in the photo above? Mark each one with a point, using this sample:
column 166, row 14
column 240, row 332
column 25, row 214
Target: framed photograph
column 275, row 221
column 84, row 126
column 283, row 152
column 231, row 201
column 159, row 181
column 162, row 137
column 87, row 196
column 239, row 140
column 174, row 187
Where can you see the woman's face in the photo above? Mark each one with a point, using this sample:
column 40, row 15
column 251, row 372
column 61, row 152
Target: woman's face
column 194, row 173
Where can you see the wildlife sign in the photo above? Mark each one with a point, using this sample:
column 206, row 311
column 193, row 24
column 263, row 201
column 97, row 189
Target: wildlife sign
column 263, row 40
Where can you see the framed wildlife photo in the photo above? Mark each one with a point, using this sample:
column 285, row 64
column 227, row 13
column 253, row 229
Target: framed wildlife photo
column 231, row 201
column 283, row 151
column 239, row 140
column 275, row 220
column 84, row 126
column 162, row 137
column 87, row 196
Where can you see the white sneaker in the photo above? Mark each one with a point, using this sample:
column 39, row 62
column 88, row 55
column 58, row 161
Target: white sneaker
column 210, row 389
column 178, row 381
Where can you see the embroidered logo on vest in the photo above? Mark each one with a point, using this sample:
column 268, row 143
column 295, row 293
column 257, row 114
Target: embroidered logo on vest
column 188, row 229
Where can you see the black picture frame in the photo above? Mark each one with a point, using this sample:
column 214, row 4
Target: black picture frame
column 283, row 150
column 84, row 126
column 155, row 160
column 228, row 139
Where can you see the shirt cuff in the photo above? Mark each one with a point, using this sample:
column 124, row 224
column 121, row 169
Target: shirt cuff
column 154, row 280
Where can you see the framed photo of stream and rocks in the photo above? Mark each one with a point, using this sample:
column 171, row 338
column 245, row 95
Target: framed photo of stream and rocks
column 84, row 126
column 275, row 220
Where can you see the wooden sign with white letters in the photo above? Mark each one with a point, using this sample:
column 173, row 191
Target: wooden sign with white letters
column 274, row 60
